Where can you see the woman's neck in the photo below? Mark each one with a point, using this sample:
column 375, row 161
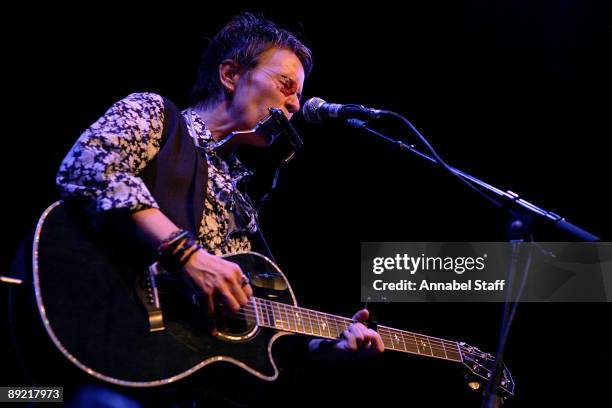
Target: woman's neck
column 220, row 124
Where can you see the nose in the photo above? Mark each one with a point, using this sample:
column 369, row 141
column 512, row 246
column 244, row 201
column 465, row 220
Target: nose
column 292, row 104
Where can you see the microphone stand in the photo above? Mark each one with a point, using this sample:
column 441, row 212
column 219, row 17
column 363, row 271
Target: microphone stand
column 523, row 211
column 524, row 214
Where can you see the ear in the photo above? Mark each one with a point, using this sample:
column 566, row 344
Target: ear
column 229, row 73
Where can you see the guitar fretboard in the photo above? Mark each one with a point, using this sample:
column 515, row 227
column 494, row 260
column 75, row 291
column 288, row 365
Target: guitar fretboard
column 295, row 319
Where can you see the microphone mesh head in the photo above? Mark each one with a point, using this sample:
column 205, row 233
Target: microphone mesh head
column 310, row 110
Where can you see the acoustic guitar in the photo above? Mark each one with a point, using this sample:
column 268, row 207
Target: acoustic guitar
column 129, row 324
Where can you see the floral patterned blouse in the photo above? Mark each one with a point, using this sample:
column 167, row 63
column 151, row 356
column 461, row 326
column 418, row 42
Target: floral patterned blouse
column 103, row 166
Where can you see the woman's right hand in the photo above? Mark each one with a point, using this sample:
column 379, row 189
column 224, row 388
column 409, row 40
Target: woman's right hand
column 220, row 281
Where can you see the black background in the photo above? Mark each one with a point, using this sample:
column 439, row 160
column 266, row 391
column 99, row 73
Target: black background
column 512, row 92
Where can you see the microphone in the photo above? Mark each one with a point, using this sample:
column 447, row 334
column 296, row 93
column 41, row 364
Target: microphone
column 316, row 110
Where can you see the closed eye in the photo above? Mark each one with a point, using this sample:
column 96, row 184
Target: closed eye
column 290, row 87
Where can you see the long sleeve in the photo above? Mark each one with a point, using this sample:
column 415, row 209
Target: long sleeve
column 102, row 167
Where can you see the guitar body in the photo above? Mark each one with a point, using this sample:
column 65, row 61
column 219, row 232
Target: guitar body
column 84, row 295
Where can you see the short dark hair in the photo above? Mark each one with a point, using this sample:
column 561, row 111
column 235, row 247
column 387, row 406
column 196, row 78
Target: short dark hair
column 243, row 39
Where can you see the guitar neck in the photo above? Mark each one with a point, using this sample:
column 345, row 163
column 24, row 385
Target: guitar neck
column 296, row 319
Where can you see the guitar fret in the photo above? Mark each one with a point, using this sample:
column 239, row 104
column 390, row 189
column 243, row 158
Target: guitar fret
column 402, row 337
column 407, row 343
column 278, row 317
column 386, row 338
column 295, row 317
column 444, row 349
column 412, row 344
column 392, row 339
column 416, row 342
column 326, row 324
column 397, row 341
column 322, row 325
column 392, row 342
column 427, row 344
column 310, row 322
column 268, row 320
column 453, row 353
column 424, row 346
column 287, row 315
column 261, row 310
column 332, row 326
column 300, row 317
column 339, row 328
column 265, row 322
column 296, row 322
column 316, row 328
column 258, row 317
column 389, row 340
column 269, row 314
column 326, row 327
column 439, row 350
column 254, row 307
column 264, row 310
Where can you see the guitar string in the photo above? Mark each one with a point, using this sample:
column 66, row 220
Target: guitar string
column 448, row 352
column 309, row 317
column 344, row 322
column 445, row 344
column 434, row 345
column 438, row 345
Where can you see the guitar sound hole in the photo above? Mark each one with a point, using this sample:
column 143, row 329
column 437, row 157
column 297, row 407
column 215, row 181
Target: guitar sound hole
column 237, row 327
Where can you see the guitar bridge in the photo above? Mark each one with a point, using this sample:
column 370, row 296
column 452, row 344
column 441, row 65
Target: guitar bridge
column 146, row 289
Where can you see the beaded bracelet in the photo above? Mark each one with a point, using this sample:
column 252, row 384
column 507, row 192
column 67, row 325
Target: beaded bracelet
column 173, row 239
column 174, row 252
column 187, row 255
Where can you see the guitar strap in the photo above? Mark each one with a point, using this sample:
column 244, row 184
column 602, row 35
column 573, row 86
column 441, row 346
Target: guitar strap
column 259, row 243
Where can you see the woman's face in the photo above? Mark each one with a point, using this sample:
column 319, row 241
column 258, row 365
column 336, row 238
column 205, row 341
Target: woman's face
column 276, row 82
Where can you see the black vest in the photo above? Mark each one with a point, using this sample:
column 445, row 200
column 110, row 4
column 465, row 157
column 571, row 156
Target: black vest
column 178, row 175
